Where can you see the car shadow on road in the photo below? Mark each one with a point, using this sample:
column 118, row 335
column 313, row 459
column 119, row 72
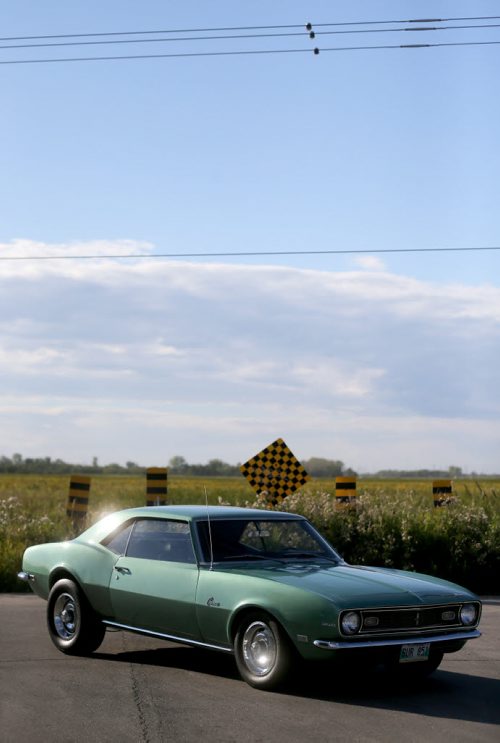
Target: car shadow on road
column 181, row 657
column 446, row 694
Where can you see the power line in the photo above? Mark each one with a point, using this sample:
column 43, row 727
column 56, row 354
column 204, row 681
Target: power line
column 155, row 56
column 313, row 34
column 406, row 46
column 413, row 20
column 243, row 52
column 242, row 254
column 249, row 28
column 170, row 39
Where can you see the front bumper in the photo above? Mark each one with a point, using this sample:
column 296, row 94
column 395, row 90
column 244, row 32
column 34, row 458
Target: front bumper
column 388, row 642
column 26, row 577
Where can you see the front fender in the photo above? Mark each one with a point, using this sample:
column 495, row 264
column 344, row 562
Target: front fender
column 223, row 597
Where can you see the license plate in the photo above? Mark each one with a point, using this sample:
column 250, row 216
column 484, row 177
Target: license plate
column 413, row 653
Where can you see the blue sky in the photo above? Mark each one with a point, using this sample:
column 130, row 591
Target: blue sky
column 381, row 360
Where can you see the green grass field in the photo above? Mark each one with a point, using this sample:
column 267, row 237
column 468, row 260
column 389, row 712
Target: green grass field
column 394, row 524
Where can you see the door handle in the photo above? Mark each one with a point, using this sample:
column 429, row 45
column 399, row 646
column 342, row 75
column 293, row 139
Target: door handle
column 123, row 571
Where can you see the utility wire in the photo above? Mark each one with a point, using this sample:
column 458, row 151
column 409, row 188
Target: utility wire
column 154, row 56
column 249, row 28
column 243, row 52
column 405, row 46
column 169, row 39
column 312, row 34
column 222, row 254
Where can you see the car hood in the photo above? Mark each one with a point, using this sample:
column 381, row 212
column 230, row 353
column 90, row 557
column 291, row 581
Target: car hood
column 360, row 586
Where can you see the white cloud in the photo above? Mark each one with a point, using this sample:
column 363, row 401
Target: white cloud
column 23, row 361
column 161, row 349
column 370, row 262
column 330, row 377
column 218, row 358
column 22, row 248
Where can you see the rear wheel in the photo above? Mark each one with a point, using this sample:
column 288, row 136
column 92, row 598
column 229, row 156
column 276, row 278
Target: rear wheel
column 263, row 652
column 73, row 626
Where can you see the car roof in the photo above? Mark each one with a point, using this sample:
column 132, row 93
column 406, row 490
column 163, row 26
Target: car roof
column 187, row 513
column 196, row 512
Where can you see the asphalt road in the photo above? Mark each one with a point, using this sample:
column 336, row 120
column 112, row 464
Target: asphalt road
column 141, row 690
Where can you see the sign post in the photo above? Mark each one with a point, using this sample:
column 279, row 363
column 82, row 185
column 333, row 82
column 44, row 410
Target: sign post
column 78, row 499
column 156, row 486
column 345, row 491
column 442, row 492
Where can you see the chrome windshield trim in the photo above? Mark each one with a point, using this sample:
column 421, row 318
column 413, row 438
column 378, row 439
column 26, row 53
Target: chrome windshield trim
column 26, row 577
column 171, row 638
column 342, row 645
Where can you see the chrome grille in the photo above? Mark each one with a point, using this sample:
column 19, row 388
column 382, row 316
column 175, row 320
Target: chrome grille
column 410, row 619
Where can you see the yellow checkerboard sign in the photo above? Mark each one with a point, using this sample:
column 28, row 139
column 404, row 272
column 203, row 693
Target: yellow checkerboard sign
column 275, row 472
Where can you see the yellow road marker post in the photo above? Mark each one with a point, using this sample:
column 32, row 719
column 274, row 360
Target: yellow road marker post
column 156, row 486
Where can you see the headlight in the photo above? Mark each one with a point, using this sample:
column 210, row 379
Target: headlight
column 468, row 614
column 350, row 623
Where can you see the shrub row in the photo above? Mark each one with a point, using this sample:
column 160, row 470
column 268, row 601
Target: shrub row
column 459, row 542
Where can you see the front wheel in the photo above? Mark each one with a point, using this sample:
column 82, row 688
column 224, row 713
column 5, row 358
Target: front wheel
column 73, row 627
column 263, row 652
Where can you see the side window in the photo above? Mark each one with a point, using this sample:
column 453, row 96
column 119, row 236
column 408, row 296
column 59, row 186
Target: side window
column 117, row 541
column 159, row 539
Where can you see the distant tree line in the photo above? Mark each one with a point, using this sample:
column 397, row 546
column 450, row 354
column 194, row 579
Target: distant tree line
column 17, row 464
column 178, row 465
column 315, row 466
column 450, row 473
column 319, row 467
column 213, row 468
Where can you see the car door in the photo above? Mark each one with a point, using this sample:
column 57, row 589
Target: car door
column 153, row 585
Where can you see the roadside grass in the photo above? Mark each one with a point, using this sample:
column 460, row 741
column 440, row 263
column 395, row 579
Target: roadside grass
column 394, row 523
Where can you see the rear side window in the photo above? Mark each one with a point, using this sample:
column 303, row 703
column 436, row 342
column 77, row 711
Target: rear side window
column 159, row 539
column 117, row 542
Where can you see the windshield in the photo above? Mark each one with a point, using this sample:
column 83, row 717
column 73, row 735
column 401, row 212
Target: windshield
column 251, row 539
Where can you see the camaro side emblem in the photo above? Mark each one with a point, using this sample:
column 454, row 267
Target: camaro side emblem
column 212, row 602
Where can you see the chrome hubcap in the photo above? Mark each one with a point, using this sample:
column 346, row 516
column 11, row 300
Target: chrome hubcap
column 259, row 648
column 66, row 618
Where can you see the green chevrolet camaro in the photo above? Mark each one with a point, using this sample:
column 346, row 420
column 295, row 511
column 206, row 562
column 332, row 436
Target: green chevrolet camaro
column 262, row 585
